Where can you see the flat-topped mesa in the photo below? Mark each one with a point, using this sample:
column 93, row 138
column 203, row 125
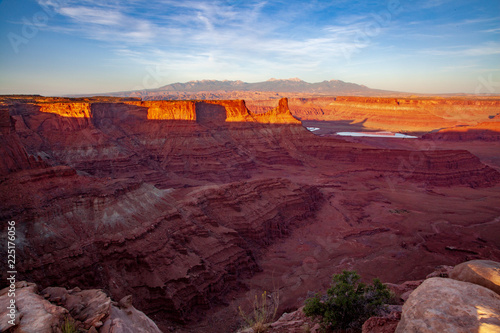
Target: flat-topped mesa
column 279, row 115
column 237, row 111
column 72, row 110
column 216, row 112
column 168, row 110
column 203, row 112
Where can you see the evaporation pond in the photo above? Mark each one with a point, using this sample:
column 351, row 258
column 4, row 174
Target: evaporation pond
column 378, row 135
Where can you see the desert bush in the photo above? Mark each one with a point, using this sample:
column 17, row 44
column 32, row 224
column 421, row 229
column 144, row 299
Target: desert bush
column 263, row 311
column 348, row 302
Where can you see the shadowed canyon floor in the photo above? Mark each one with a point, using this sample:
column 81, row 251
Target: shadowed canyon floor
column 194, row 207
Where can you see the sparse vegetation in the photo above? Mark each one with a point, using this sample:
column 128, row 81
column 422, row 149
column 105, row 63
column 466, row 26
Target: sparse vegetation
column 263, row 311
column 348, row 302
column 69, row 326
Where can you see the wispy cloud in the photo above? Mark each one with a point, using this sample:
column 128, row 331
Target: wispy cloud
column 486, row 49
column 195, row 32
column 92, row 15
column 106, row 21
column 494, row 30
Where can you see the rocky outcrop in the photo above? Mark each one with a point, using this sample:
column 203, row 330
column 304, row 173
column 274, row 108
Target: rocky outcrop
column 31, row 314
column 292, row 322
column 279, row 115
column 441, row 271
column 124, row 318
column 387, row 324
column 298, row 322
column 485, row 273
column 446, row 305
column 89, row 307
column 403, row 291
column 89, row 310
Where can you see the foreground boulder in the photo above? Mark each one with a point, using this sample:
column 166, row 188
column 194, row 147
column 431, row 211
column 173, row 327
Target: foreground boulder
column 33, row 313
column 86, row 306
column 90, row 310
column 446, row 305
column 485, row 273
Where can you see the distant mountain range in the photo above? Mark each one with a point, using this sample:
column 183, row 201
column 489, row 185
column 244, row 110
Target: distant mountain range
column 273, row 88
column 291, row 85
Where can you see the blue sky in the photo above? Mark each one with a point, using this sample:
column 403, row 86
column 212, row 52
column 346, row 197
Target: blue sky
column 55, row 47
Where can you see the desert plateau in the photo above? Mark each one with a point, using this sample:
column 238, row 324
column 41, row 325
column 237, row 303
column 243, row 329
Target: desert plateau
column 194, row 207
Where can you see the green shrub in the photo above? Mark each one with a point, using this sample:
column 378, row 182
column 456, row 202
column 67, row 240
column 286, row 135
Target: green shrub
column 347, row 303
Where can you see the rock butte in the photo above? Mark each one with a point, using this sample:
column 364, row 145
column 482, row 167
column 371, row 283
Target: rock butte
column 193, row 207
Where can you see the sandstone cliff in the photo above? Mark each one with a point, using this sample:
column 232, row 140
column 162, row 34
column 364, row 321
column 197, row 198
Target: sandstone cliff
column 483, row 131
column 215, row 111
column 14, row 155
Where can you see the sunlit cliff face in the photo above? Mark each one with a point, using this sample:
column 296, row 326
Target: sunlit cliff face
column 200, row 111
column 73, row 110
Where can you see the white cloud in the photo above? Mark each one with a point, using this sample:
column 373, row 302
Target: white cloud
column 100, row 20
column 494, row 30
column 92, row 15
column 227, row 37
column 485, row 49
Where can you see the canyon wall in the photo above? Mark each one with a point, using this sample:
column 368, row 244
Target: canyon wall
column 177, row 202
column 175, row 253
column 483, row 131
column 422, row 114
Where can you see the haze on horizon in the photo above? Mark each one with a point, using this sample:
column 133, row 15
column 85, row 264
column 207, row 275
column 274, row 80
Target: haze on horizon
column 57, row 47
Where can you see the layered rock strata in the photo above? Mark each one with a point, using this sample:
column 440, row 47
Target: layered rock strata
column 178, row 254
column 174, row 202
